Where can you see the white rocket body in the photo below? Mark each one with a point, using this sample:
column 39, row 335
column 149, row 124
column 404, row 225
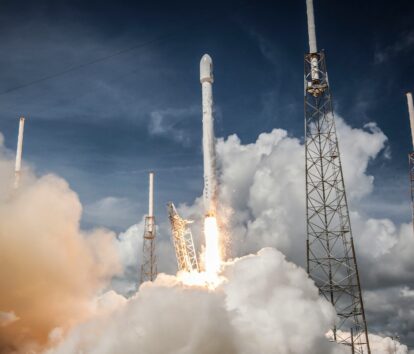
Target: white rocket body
column 19, row 150
column 209, row 149
column 411, row 112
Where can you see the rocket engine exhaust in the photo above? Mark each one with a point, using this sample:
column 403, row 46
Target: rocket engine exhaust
column 18, row 165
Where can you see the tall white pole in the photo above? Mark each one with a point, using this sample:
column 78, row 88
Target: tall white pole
column 411, row 113
column 313, row 49
column 151, row 195
column 151, row 203
column 19, row 150
column 209, row 152
column 311, row 27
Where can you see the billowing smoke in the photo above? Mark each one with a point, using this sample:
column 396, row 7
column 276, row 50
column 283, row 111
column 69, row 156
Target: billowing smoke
column 50, row 270
column 53, row 273
column 381, row 345
column 264, row 303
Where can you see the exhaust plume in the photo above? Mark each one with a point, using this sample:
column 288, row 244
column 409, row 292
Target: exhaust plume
column 50, row 270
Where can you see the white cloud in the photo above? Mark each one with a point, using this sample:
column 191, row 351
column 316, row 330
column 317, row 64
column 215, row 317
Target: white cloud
column 404, row 43
column 111, row 212
column 282, row 312
column 169, row 123
column 262, row 193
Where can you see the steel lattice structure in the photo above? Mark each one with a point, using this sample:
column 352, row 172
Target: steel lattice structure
column 149, row 262
column 331, row 260
column 183, row 241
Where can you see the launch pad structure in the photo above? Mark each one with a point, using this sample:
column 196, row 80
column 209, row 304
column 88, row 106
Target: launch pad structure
column 183, row 241
column 149, row 260
column 331, row 259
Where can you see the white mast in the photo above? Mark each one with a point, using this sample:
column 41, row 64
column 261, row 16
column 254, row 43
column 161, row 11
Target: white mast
column 411, row 113
column 313, row 49
column 311, row 27
column 19, row 150
column 149, row 260
column 151, row 201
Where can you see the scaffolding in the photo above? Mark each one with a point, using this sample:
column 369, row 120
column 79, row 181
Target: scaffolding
column 183, row 241
column 331, row 260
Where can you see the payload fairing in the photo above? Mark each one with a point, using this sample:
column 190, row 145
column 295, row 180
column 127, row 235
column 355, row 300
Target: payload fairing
column 209, row 148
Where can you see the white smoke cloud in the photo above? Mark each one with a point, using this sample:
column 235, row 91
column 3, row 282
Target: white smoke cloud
column 263, row 190
column 263, row 184
column 387, row 345
column 265, row 304
column 262, row 196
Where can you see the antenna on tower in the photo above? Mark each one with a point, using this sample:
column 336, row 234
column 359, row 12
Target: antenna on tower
column 331, row 259
column 19, row 151
column 149, row 262
column 411, row 154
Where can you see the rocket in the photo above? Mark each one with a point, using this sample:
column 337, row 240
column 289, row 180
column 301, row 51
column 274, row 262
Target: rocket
column 19, row 150
column 209, row 149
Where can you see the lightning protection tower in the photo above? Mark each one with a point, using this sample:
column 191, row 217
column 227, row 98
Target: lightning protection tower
column 19, row 150
column 183, row 241
column 331, row 260
column 411, row 155
column 149, row 260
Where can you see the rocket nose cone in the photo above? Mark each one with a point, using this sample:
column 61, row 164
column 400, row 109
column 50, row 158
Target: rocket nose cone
column 206, row 68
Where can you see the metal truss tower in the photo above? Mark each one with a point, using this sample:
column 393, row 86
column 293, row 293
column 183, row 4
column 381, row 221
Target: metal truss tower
column 183, row 241
column 149, row 260
column 331, row 260
column 411, row 155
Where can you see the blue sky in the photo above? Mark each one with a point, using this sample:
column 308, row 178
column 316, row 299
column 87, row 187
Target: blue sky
column 104, row 123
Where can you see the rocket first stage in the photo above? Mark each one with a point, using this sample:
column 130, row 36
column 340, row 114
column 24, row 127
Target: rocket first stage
column 209, row 149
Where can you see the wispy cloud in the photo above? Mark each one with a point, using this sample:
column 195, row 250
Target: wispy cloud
column 171, row 123
column 404, row 43
column 111, row 212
